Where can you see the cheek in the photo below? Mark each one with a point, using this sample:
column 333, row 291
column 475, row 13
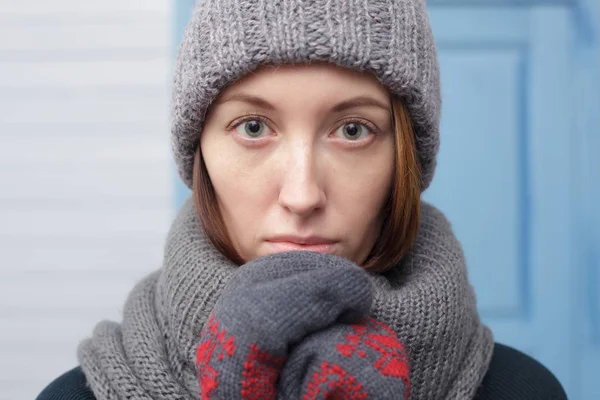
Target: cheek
column 363, row 202
column 364, row 190
column 230, row 171
column 241, row 189
column 361, row 196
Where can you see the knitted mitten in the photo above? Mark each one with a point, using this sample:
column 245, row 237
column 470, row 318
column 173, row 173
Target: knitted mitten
column 312, row 308
column 358, row 361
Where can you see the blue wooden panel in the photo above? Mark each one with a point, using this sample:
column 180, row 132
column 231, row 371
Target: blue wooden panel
column 551, row 235
column 585, row 18
column 523, row 177
column 588, row 353
column 485, row 26
column 593, row 291
column 481, row 180
column 587, row 311
column 586, row 60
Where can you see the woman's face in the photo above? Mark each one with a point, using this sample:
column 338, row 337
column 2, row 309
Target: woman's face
column 301, row 158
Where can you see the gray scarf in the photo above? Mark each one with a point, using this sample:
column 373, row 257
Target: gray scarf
column 427, row 300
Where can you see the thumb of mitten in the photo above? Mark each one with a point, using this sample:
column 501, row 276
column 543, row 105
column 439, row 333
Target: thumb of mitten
column 269, row 305
column 347, row 361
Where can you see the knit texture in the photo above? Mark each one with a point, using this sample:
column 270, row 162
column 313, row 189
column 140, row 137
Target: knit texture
column 512, row 375
column 426, row 300
column 227, row 39
column 315, row 307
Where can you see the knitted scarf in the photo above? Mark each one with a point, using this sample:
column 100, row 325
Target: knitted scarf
column 426, row 300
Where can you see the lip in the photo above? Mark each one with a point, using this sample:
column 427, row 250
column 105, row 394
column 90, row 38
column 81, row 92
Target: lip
column 280, row 247
column 306, row 241
column 294, row 243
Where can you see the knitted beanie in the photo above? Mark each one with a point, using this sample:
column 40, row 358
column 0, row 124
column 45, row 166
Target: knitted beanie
column 227, row 39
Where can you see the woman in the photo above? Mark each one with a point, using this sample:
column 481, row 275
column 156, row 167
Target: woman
column 305, row 265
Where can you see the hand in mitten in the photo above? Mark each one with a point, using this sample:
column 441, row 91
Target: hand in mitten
column 271, row 304
column 347, row 361
column 304, row 305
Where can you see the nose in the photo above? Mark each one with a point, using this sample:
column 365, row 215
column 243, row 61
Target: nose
column 302, row 191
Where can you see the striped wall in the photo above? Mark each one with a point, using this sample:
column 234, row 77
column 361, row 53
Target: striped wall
column 85, row 176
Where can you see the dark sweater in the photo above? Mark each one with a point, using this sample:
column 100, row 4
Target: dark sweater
column 512, row 376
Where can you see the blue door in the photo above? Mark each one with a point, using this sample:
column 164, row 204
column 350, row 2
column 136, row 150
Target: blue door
column 518, row 174
column 511, row 175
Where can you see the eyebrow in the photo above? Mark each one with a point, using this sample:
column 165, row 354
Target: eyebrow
column 360, row 101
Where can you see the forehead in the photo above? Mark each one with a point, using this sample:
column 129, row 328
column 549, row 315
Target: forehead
column 320, row 81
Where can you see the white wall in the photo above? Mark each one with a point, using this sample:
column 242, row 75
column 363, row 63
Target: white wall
column 85, row 175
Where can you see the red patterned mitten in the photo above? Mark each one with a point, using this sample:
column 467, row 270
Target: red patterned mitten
column 358, row 361
column 270, row 305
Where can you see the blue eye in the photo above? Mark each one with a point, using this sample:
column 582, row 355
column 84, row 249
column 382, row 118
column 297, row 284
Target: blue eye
column 252, row 128
column 353, row 131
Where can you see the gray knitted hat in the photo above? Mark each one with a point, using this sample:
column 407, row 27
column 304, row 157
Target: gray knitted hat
column 227, row 39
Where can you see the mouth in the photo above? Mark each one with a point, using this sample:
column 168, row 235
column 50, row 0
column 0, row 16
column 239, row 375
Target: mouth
column 287, row 243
